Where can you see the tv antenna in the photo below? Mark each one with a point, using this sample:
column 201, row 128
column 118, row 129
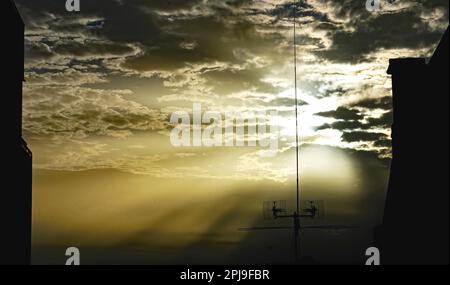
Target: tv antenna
column 311, row 209
column 277, row 209
column 274, row 210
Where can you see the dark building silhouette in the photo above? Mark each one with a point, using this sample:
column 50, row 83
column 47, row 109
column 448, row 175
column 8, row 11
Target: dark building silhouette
column 15, row 197
column 416, row 218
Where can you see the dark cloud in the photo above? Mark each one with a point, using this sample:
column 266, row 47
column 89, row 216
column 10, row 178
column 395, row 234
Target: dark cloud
column 402, row 29
column 164, row 5
column 37, row 50
column 228, row 35
column 127, row 22
column 289, row 102
column 362, row 136
column 304, row 10
column 374, row 103
column 351, row 119
column 343, row 125
column 215, row 40
column 385, row 120
column 89, row 7
column 130, row 21
column 342, row 113
column 89, row 48
column 383, row 143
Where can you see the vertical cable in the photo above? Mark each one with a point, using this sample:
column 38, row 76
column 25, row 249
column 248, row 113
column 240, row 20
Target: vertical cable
column 296, row 108
column 297, row 215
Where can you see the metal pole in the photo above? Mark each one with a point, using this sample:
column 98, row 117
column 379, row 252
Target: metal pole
column 297, row 213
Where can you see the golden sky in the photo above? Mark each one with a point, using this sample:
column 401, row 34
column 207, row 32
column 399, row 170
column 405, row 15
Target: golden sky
column 101, row 85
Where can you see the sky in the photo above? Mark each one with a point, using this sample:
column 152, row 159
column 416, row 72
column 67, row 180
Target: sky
column 102, row 84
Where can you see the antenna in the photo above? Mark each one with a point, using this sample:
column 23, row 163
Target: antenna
column 296, row 107
column 297, row 188
column 273, row 209
column 312, row 209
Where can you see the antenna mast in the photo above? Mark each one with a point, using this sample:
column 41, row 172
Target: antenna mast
column 309, row 209
column 297, row 213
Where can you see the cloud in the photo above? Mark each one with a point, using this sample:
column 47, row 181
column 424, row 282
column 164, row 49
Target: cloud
column 152, row 57
column 81, row 112
column 385, row 120
column 343, row 125
column 91, row 48
column 342, row 113
column 37, row 50
column 66, row 77
column 374, row 103
column 365, row 33
column 383, row 143
column 362, row 136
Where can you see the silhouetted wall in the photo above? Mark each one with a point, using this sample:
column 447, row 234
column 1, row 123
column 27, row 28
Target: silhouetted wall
column 15, row 195
column 416, row 219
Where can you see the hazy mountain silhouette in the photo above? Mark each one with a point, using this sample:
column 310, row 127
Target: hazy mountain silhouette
column 15, row 197
column 416, row 219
